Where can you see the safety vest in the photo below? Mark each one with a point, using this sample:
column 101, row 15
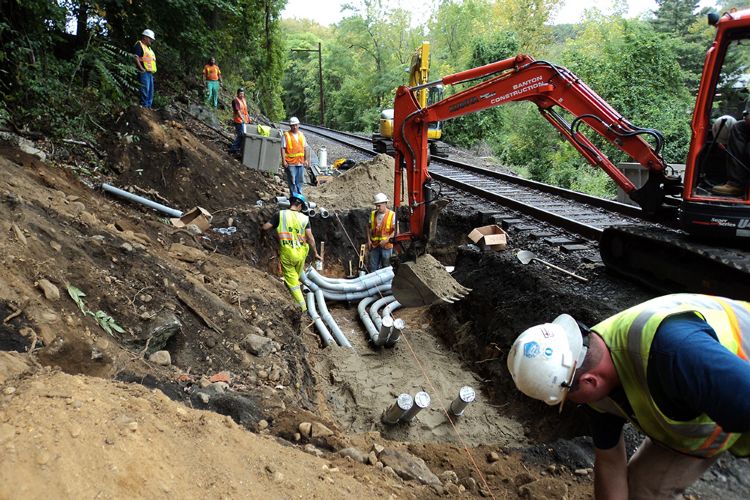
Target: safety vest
column 629, row 335
column 381, row 232
column 148, row 60
column 241, row 115
column 212, row 73
column 291, row 229
column 294, row 148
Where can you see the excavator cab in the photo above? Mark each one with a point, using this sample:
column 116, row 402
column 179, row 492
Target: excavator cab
column 716, row 196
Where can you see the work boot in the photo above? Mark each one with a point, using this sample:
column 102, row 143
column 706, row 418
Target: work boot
column 727, row 189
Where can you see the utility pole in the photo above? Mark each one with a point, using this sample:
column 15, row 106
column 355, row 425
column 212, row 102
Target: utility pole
column 320, row 79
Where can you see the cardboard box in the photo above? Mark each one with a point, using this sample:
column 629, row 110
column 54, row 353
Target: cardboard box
column 491, row 237
column 198, row 216
column 322, row 179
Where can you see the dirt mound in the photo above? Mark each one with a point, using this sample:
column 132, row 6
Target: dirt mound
column 164, row 155
column 356, row 187
column 114, row 440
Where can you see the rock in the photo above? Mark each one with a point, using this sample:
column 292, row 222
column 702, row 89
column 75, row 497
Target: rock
column 523, row 478
column 263, row 424
column 186, row 253
column 449, row 476
column 305, row 428
column 312, row 450
column 133, row 426
column 258, row 345
column 355, row 454
column 218, row 387
column 451, row 489
column 390, row 472
column 160, row 329
column 470, row 483
column 55, row 246
column 127, row 247
column 161, row 358
column 205, row 398
column 319, row 430
column 220, row 377
column 9, row 391
column 378, row 449
column 372, row 458
column 552, row 468
column 545, row 488
column 51, row 292
column 77, row 208
column 297, row 436
column 493, row 457
column 27, row 147
column 581, row 472
column 408, row 466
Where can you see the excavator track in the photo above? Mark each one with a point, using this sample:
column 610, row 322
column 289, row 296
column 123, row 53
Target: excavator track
column 672, row 261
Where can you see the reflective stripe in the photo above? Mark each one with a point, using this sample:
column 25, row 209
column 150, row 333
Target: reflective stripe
column 383, row 231
column 291, row 229
column 629, row 336
column 148, row 60
column 294, row 146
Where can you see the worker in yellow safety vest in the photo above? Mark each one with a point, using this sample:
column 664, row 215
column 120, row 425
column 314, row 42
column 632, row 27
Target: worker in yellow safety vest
column 145, row 61
column 294, row 156
column 381, row 230
column 295, row 239
column 675, row 366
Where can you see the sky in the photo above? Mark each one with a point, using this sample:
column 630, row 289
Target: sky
column 329, row 11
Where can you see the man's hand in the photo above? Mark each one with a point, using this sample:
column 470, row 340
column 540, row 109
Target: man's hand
column 611, row 473
column 382, row 243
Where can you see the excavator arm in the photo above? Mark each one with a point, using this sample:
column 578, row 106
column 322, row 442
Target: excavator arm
column 520, row 78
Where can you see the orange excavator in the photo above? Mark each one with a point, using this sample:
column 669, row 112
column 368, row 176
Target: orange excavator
column 706, row 254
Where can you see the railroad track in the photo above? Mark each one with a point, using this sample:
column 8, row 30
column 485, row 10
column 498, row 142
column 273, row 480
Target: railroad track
column 579, row 213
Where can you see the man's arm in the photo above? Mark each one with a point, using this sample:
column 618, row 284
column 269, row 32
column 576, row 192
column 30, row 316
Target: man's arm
column 611, row 472
column 266, row 226
column 138, row 55
column 311, row 241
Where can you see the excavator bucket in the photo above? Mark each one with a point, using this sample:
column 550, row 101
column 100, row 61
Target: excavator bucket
column 424, row 282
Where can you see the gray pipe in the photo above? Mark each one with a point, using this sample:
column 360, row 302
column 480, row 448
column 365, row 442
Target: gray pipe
column 421, row 401
column 312, row 213
column 388, row 310
column 352, row 296
column 385, row 330
column 393, row 413
column 140, row 199
column 335, row 330
column 325, row 335
column 376, row 307
column 398, row 328
column 369, row 326
column 324, row 280
column 466, row 395
column 358, row 285
column 324, row 213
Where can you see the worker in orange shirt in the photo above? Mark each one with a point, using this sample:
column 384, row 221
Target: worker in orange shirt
column 240, row 117
column 212, row 78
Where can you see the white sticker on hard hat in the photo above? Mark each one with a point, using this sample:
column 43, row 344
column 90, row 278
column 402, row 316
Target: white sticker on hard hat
column 531, row 349
column 547, row 333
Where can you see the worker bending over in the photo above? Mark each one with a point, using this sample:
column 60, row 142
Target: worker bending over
column 675, row 366
column 295, row 239
column 382, row 229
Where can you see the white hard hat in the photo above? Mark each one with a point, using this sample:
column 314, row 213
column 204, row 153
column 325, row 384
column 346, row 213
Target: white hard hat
column 380, row 198
column 722, row 127
column 544, row 358
column 149, row 34
column 294, row 121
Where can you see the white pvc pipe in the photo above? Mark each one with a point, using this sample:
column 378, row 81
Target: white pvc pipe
column 352, row 296
column 357, row 285
column 369, row 326
column 140, row 199
column 325, row 335
column 376, row 307
column 335, row 330
column 388, row 310
column 385, row 270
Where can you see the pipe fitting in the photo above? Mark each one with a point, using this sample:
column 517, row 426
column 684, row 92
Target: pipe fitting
column 324, row 213
column 396, row 411
column 398, row 328
column 466, row 396
column 421, row 401
column 386, row 325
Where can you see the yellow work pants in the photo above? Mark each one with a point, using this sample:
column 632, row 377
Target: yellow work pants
column 292, row 265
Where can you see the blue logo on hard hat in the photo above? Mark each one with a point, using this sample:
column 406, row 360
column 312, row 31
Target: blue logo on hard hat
column 531, row 349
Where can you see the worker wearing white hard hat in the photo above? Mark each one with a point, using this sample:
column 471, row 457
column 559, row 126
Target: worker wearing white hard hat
column 294, row 152
column 145, row 61
column 381, row 230
column 676, row 367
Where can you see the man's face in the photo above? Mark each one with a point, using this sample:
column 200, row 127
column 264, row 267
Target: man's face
column 294, row 127
column 148, row 41
column 212, row 61
column 381, row 207
column 241, row 95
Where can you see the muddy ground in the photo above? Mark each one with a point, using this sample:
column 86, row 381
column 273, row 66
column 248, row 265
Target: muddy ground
column 249, row 404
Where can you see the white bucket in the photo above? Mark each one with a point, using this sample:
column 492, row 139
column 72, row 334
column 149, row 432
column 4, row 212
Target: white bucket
column 323, row 157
